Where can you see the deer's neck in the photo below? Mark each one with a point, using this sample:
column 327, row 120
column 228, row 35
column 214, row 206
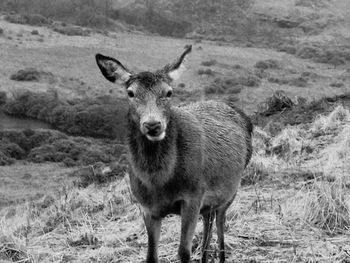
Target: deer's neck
column 153, row 162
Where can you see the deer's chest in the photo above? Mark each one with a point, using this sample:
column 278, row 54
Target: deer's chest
column 161, row 200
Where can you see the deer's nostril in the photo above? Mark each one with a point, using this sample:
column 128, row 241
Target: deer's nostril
column 153, row 128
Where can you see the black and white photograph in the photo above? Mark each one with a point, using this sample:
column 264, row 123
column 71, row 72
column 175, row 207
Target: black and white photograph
column 165, row 131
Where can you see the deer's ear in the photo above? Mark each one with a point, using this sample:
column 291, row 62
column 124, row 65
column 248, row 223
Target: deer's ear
column 112, row 69
column 175, row 69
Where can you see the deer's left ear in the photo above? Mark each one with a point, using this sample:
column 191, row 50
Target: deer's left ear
column 175, row 69
column 112, row 69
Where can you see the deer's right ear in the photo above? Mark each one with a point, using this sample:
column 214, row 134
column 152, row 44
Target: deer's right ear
column 112, row 69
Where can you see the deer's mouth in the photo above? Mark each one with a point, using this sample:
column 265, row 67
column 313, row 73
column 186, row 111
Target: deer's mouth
column 156, row 138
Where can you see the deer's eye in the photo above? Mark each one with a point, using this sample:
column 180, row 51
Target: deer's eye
column 130, row 94
column 169, row 93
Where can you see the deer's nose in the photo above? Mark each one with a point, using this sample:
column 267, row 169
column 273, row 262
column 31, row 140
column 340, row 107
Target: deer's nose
column 153, row 128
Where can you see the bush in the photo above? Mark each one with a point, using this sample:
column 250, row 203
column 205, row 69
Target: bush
column 223, row 86
column 267, row 64
column 5, row 160
column 102, row 117
column 35, row 32
column 290, row 49
column 307, row 52
column 208, row 72
column 31, row 74
column 278, row 102
column 53, row 146
column 28, row 19
column 329, row 55
column 248, row 80
column 89, row 18
column 299, row 82
column 279, row 81
column 209, row 63
column 71, row 30
column 336, row 84
column 3, row 97
column 153, row 21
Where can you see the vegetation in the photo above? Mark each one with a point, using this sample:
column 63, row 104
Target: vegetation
column 71, row 30
column 28, row 19
column 31, row 74
column 40, row 146
column 103, row 117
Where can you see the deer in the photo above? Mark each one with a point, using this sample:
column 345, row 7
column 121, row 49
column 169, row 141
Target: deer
column 184, row 160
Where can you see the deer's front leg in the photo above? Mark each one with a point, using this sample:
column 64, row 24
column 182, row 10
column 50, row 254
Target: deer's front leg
column 153, row 226
column 189, row 217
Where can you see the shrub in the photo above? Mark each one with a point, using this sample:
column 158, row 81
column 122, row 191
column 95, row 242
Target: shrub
column 1, row 31
column 154, row 22
column 5, row 160
column 223, row 86
column 35, row 32
column 279, row 81
column 89, row 18
column 31, row 74
column 208, row 72
column 209, row 63
column 299, row 82
column 3, row 97
column 267, row 64
column 336, row 84
column 53, row 146
column 71, row 30
column 30, row 19
column 102, row 117
column 290, row 49
column 12, row 150
column 276, row 103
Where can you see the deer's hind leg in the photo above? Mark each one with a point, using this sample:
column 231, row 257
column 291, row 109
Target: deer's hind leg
column 220, row 226
column 208, row 218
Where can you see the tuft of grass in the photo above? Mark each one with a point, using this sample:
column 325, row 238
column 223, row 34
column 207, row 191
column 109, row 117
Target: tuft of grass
column 289, row 143
column 267, row 64
column 35, row 32
column 209, row 63
column 258, row 169
column 208, row 72
column 325, row 207
column 338, row 155
column 337, row 117
column 11, row 252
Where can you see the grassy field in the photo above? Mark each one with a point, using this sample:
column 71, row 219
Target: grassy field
column 294, row 203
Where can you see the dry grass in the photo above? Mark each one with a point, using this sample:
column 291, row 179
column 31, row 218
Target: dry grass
column 326, row 208
column 331, row 122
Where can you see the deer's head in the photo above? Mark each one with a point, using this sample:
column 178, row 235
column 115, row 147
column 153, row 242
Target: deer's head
column 148, row 93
